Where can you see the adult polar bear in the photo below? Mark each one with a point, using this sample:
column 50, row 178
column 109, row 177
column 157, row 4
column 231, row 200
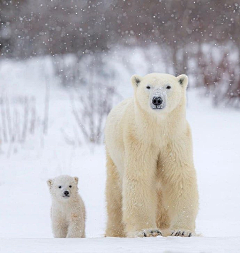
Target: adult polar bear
column 151, row 181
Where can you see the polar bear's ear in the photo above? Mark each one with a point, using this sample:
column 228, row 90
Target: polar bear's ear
column 49, row 182
column 76, row 179
column 183, row 80
column 135, row 79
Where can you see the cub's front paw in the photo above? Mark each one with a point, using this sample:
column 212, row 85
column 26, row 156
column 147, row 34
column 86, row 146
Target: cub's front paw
column 145, row 233
column 182, row 233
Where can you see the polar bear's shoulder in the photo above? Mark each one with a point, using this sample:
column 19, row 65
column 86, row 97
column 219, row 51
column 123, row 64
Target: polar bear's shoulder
column 121, row 109
column 124, row 104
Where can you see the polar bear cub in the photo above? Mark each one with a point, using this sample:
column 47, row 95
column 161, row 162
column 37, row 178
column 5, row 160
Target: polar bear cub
column 68, row 210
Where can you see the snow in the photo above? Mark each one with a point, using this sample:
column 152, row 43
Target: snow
column 116, row 245
column 25, row 200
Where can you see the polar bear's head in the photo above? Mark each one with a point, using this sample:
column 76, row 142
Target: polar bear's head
column 159, row 92
column 63, row 188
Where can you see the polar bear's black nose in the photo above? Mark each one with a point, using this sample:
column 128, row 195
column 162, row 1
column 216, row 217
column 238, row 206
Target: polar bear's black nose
column 66, row 193
column 157, row 100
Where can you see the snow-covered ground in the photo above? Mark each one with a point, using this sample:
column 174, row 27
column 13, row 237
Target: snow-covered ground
column 25, row 200
column 136, row 245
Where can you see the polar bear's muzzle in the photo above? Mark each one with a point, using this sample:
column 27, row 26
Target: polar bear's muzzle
column 66, row 194
column 157, row 100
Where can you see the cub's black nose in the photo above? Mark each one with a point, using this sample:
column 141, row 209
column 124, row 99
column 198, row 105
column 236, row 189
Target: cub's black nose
column 66, row 193
column 157, row 100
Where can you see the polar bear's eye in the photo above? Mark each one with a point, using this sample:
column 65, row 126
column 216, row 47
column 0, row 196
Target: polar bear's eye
column 148, row 87
column 168, row 87
column 70, row 186
column 60, row 186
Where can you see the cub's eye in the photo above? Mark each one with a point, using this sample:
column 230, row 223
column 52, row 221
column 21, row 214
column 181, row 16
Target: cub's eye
column 60, row 186
column 168, row 87
column 148, row 87
column 70, row 186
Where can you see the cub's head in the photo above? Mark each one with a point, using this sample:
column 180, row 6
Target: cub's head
column 63, row 188
column 159, row 93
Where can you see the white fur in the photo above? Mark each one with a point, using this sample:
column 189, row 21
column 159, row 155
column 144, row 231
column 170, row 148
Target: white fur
column 151, row 181
column 67, row 213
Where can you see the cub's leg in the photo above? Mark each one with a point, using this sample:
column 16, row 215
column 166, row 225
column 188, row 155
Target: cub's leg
column 139, row 190
column 59, row 226
column 76, row 228
column 115, row 227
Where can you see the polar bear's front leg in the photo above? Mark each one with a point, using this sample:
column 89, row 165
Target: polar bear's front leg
column 139, row 191
column 180, row 188
column 59, row 227
column 76, row 228
column 115, row 226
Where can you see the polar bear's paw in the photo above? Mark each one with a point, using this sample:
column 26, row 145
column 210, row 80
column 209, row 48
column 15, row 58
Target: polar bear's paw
column 182, row 233
column 146, row 233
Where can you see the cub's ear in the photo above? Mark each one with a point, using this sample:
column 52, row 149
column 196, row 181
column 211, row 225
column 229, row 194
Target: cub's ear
column 183, row 80
column 50, row 182
column 76, row 179
column 135, row 79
